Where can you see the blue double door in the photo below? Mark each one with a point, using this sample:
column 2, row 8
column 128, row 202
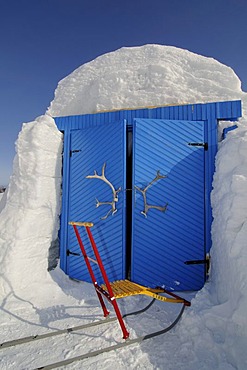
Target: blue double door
column 143, row 188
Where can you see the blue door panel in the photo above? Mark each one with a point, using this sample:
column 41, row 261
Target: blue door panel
column 90, row 150
column 163, row 241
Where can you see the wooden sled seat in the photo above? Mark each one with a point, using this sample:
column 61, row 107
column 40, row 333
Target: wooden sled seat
column 126, row 288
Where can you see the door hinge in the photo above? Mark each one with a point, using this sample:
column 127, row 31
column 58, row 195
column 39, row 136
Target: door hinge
column 74, row 151
column 68, row 252
column 196, row 262
column 205, row 145
column 206, row 262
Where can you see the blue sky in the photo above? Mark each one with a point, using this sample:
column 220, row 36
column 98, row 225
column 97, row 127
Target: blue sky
column 42, row 41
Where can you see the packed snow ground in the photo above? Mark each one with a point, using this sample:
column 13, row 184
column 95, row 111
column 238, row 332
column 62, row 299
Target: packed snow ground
column 213, row 332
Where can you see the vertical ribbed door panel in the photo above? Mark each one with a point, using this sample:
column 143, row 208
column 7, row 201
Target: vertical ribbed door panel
column 163, row 241
column 91, row 148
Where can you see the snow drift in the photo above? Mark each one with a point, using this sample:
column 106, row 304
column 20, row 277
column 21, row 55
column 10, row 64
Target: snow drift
column 150, row 75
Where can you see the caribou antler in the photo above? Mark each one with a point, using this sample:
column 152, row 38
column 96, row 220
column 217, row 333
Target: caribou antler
column 147, row 206
column 114, row 192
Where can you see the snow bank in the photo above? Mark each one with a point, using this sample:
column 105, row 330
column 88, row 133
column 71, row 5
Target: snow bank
column 229, row 229
column 213, row 331
column 219, row 309
column 29, row 219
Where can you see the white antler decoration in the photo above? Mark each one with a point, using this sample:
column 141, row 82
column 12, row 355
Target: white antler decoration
column 147, row 207
column 114, row 192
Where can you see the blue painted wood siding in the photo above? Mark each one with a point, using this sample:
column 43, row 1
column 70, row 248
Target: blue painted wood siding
column 210, row 113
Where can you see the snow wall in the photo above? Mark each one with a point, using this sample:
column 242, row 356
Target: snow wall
column 150, row 75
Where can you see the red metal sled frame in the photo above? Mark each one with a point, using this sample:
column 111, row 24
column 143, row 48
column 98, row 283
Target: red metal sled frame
column 120, row 288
